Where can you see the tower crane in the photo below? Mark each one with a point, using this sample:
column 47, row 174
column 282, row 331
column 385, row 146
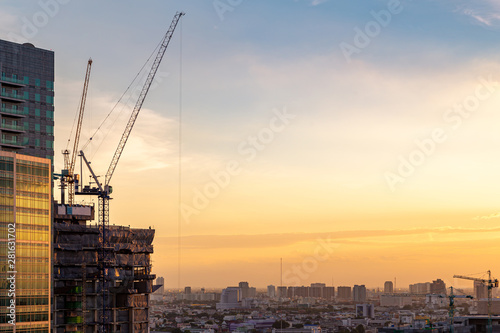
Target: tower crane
column 68, row 177
column 104, row 190
column 451, row 311
column 490, row 283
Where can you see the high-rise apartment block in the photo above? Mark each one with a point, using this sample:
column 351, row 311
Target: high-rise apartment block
column 27, row 99
column 344, row 292
column 388, row 287
column 359, row 293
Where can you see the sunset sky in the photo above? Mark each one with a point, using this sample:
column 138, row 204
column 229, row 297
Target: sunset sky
column 357, row 140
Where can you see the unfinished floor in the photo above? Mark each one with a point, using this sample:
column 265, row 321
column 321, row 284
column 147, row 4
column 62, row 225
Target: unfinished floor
column 77, row 274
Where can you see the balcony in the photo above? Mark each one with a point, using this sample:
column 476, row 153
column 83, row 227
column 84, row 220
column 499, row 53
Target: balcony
column 12, row 82
column 11, row 127
column 13, row 112
column 12, row 143
column 12, row 97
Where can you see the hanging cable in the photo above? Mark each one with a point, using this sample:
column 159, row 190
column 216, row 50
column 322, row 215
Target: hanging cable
column 120, row 99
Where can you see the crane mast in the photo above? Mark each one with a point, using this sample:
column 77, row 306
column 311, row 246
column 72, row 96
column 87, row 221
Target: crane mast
column 490, row 283
column 104, row 190
column 69, row 164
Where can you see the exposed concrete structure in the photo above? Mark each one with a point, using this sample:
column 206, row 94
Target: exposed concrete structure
column 77, row 285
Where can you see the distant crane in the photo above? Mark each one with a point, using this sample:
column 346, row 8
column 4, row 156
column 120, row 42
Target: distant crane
column 67, row 175
column 103, row 191
column 490, row 283
column 451, row 311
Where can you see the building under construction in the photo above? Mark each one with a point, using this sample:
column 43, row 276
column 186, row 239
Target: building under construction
column 78, row 301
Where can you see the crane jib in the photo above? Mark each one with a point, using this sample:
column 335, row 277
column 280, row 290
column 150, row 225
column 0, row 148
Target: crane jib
column 142, row 97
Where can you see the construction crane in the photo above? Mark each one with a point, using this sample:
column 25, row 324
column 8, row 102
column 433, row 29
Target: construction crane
column 490, row 283
column 451, row 311
column 68, row 177
column 104, row 190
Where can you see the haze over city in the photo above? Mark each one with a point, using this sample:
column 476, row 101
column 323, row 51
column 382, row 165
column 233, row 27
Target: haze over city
column 358, row 141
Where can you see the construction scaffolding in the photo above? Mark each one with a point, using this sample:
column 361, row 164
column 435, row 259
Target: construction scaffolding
column 77, row 276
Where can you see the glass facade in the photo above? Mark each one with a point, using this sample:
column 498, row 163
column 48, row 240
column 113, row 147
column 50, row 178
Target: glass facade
column 26, row 99
column 25, row 229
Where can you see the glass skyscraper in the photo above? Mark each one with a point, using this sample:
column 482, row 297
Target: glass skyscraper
column 26, row 154
column 27, row 99
column 25, row 230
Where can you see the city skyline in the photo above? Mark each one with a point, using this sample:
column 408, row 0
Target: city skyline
column 356, row 141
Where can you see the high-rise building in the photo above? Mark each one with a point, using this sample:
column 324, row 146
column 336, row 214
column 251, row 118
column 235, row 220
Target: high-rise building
column 329, row 293
column 230, row 298
column 359, row 293
column 388, row 287
column 187, row 290
column 25, row 230
column 344, row 292
column 282, row 291
column 27, row 99
column 438, row 287
column 420, row 288
column 244, row 289
column 480, row 290
column 160, row 282
column 271, row 291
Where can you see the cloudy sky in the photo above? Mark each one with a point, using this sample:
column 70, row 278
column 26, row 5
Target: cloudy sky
column 357, row 140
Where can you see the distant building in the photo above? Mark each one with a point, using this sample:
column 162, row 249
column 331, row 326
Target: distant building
column 359, row 293
column 244, row 289
column 344, row 292
column 329, row 293
column 318, row 285
column 394, row 300
column 160, row 282
column 438, row 287
column 420, row 288
column 365, row 310
column 271, row 291
column 388, row 287
column 187, row 290
column 480, row 290
column 282, row 291
column 230, row 298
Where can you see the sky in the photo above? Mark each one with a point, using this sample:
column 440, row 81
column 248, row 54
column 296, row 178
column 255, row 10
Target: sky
column 356, row 141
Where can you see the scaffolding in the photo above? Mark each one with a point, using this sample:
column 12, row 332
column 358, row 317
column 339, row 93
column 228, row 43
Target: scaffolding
column 77, row 274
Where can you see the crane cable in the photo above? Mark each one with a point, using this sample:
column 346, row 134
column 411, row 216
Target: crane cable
column 119, row 100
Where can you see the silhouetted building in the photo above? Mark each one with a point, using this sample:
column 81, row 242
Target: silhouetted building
column 359, row 293
column 344, row 292
column 271, row 291
column 388, row 287
column 438, row 287
column 187, row 290
column 480, row 290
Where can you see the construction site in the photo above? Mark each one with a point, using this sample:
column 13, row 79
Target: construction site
column 101, row 274
column 78, row 301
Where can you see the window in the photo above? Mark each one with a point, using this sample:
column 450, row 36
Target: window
column 26, row 80
column 37, row 82
column 26, row 110
column 37, row 142
column 37, row 97
column 50, row 129
column 37, row 128
column 49, row 114
column 50, row 85
column 26, row 141
column 49, row 144
column 26, row 125
column 49, row 99
column 26, row 95
column 37, row 112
